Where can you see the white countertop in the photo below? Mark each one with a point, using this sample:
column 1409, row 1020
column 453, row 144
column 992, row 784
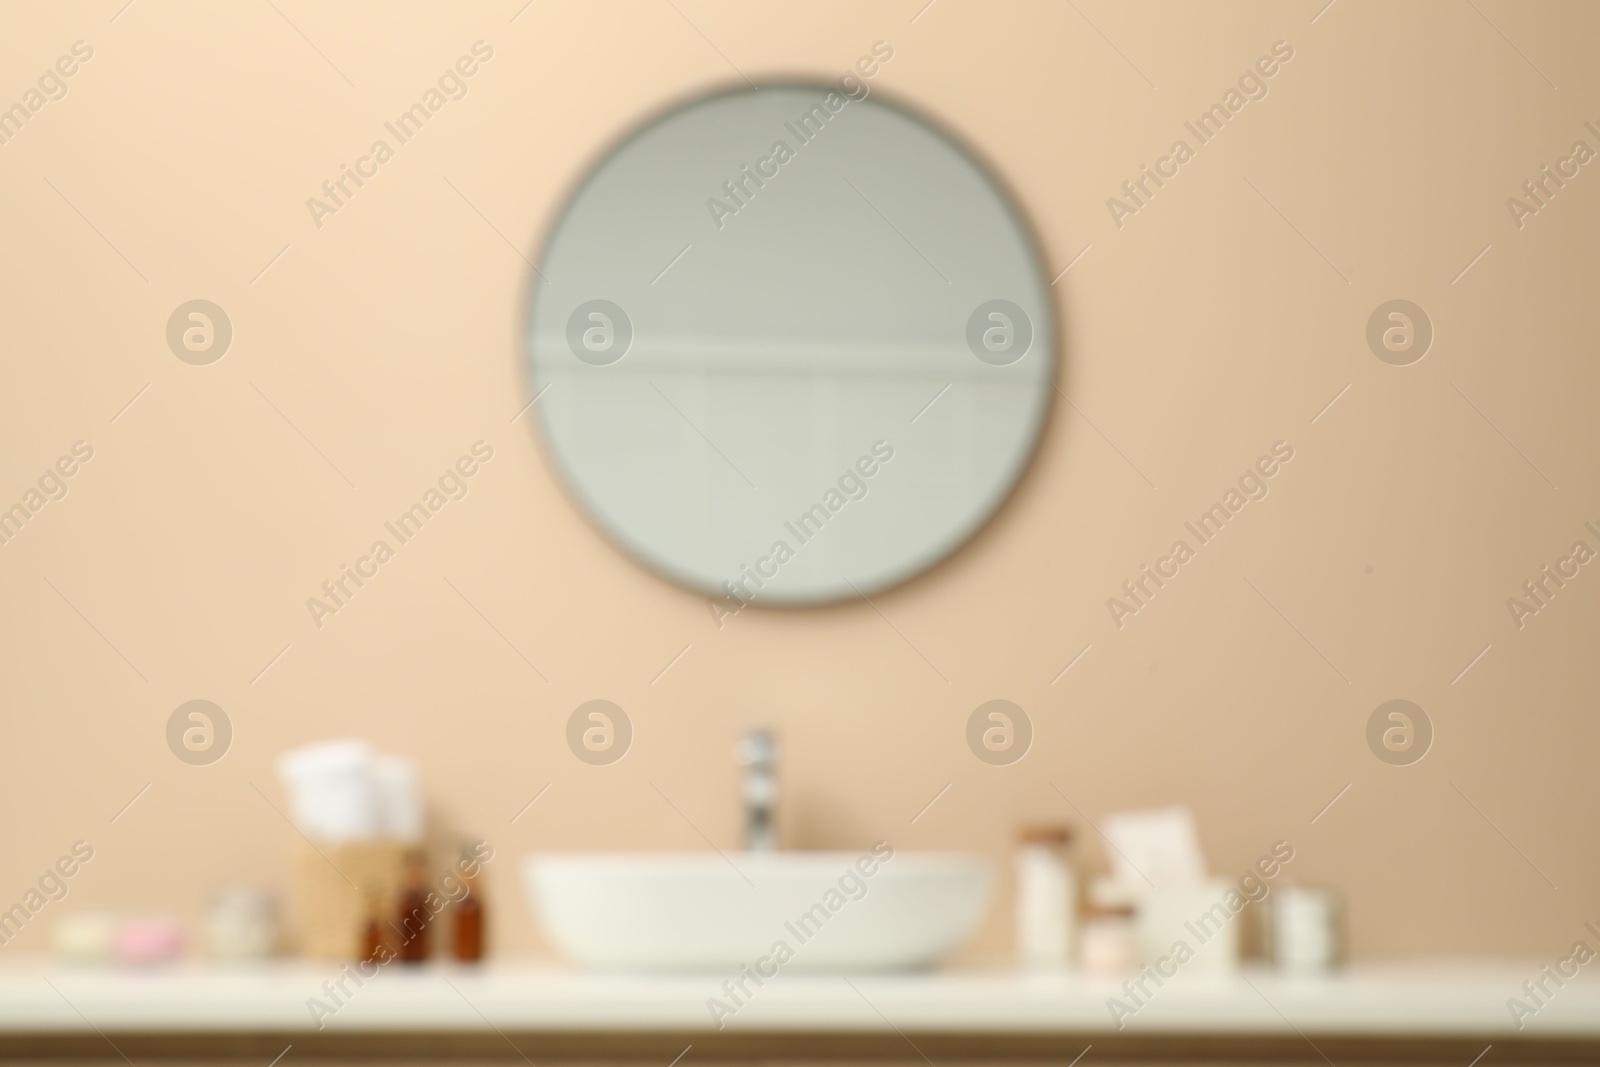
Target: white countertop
column 1449, row 998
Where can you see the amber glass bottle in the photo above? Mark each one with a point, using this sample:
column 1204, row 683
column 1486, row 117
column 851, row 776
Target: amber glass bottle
column 412, row 921
column 468, row 944
column 373, row 939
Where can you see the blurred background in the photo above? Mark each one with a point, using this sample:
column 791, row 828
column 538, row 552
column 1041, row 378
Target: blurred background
column 374, row 346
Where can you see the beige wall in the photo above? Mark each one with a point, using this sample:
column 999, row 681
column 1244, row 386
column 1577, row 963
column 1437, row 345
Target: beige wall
column 1219, row 319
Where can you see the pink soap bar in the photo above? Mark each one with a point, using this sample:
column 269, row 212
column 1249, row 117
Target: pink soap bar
column 149, row 940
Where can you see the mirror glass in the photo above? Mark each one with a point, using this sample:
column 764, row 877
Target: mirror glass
column 789, row 345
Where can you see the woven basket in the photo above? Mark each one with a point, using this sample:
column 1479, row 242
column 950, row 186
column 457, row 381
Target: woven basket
column 332, row 884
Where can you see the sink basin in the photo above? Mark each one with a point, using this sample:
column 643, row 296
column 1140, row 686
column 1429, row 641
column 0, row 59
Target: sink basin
column 701, row 911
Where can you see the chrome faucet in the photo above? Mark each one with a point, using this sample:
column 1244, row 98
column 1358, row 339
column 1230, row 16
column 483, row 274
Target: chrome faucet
column 760, row 791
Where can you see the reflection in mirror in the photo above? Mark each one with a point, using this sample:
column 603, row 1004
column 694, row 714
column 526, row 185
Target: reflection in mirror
column 789, row 345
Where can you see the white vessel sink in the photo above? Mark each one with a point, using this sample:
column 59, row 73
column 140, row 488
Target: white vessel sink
column 701, row 911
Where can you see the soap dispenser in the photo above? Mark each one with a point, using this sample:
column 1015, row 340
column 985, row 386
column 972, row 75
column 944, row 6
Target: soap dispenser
column 1047, row 898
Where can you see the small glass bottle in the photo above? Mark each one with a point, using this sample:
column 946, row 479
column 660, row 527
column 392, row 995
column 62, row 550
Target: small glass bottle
column 373, row 939
column 467, row 946
column 1111, row 947
column 413, row 909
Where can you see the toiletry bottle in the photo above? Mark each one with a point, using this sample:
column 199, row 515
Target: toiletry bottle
column 241, row 924
column 413, row 910
column 1047, row 898
column 1304, row 929
column 467, row 946
column 373, row 936
column 1110, row 941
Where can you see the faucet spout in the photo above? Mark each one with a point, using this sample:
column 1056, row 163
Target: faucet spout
column 760, row 791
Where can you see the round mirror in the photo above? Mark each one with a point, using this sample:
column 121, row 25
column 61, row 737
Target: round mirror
column 789, row 345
